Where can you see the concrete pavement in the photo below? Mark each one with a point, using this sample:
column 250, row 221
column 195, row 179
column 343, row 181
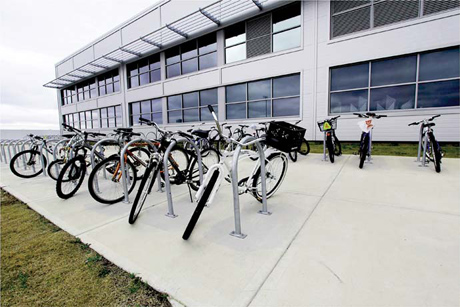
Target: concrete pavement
column 384, row 235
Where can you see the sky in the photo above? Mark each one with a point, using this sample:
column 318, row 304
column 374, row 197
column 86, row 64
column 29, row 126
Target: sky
column 34, row 36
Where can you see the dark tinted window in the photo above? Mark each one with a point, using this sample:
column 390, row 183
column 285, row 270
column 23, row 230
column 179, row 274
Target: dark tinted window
column 350, row 77
column 236, row 111
column 439, row 94
column 440, row 64
column 259, row 89
column 286, row 106
column 393, row 98
column 394, row 71
column 174, row 102
column 286, row 86
column 236, row 93
column 345, row 102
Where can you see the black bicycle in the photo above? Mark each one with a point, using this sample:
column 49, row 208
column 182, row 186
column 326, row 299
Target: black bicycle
column 432, row 148
column 304, row 148
column 333, row 145
column 366, row 135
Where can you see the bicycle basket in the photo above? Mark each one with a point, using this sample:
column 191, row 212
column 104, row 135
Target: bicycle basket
column 327, row 125
column 284, row 136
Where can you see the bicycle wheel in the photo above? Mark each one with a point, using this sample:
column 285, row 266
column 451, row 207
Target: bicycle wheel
column 140, row 154
column 71, row 177
column 181, row 160
column 209, row 157
column 330, row 148
column 27, row 164
column 293, row 156
column 304, row 148
column 337, row 146
column 105, row 183
column 200, row 206
column 54, row 168
column 435, row 152
column 275, row 170
column 147, row 182
column 364, row 149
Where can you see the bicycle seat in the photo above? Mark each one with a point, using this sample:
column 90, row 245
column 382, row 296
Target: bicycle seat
column 429, row 125
column 228, row 127
column 123, row 130
column 201, row 133
column 243, row 126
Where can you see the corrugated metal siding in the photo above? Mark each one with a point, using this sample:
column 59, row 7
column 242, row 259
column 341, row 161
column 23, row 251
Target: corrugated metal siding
column 259, row 36
column 350, row 22
column 340, row 6
column 388, row 12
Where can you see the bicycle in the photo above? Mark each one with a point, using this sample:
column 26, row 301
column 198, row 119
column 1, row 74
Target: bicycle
column 432, row 149
column 105, row 180
column 73, row 173
column 182, row 172
column 366, row 135
column 27, row 164
column 276, row 164
column 328, row 126
column 304, row 148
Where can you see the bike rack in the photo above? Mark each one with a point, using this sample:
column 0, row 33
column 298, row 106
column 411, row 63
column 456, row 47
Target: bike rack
column 3, row 144
column 123, row 165
column 57, row 167
column 236, row 197
column 324, row 146
column 423, row 143
column 369, row 158
column 93, row 160
column 166, row 173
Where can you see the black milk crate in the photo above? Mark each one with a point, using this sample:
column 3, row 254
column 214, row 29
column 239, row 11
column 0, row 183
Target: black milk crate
column 285, row 136
column 332, row 125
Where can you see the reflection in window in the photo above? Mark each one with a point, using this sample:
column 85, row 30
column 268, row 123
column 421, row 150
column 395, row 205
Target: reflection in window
column 258, row 99
column 286, row 27
column 144, row 71
column 191, row 107
column 394, row 85
column 149, row 109
column 192, row 56
column 235, row 43
column 92, row 119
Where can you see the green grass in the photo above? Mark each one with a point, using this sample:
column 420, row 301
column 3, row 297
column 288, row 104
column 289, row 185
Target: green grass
column 41, row 265
column 451, row 150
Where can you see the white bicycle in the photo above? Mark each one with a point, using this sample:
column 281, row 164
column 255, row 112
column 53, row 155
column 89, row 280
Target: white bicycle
column 276, row 164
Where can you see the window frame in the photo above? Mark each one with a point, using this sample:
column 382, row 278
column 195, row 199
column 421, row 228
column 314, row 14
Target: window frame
column 83, row 123
column 148, row 72
column 199, row 106
column 131, row 116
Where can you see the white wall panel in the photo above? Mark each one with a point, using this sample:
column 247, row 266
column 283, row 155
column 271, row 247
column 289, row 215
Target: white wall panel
column 87, row 105
column 108, row 44
column 84, row 57
column 142, row 93
column 64, row 67
column 110, row 100
column 192, row 83
column 67, row 109
column 143, row 26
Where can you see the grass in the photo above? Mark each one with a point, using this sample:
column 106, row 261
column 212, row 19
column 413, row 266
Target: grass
column 41, row 265
column 451, row 150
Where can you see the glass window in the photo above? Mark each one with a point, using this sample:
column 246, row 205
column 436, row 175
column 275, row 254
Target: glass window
column 286, row 86
column 190, row 100
column 208, row 61
column 156, row 105
column 235, row 93
column 259, row 89
column 172, row 55
column 287, row 17
column 350, row 77
column 155, row 75
column 207, row 43
column 345, row 102
column 286, row 106
column 235, row 53
column 440, row 64
column 173, row 70
column 191, row 115
column 235, row 34
column 136, row 108
column 157, row 118
column 189, row 50
column 145, row 106
column 439, row 94
column 174, row 102
column 259, row 109
column 393, row 98
column 206, row 115
column 394, row 71
column 236, row 111
column 208, row 97
column 175, row 117
column 190, row 66
column 144, row 79
column 286, row 40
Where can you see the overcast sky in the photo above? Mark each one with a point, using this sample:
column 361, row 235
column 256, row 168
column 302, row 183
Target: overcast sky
column 35, row 35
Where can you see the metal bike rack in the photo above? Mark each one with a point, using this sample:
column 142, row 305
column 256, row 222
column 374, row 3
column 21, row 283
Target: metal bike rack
column 55, row 149
column 423, row 142
column 93, row 160
column 3, row 153
column 369, row 158
column 123, row 165
column 236, row 197
column 324, row 146
column 166, row 173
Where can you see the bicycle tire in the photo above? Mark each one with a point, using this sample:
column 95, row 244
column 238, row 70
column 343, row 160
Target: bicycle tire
column 51, row 170
column 330, row 148
column 304, row 148
column 97, row 196
column 363, row 151
column 200, row 206
column 77, row 168
column 337, row 147
column 293, row 156
column 33, row 154
column 268, row 162
column 435, row 152
column 145, row 186
column 183, row 167
column 209, row 157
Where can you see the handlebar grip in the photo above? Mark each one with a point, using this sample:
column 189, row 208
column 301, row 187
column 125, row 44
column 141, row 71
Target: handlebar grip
column 412, row 124
column 141, row 119
column 359, row 114
column 99, row 134
column 211, row 109
column 378, row 116
column 434, row 117
column 135, row 133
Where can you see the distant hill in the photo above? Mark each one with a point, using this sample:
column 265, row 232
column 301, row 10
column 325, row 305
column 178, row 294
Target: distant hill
column 19, row 134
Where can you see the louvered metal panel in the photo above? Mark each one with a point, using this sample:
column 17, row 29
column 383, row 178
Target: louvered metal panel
column 388, row 12
column 259, row 46
column 259, row 27
column 434, row 6
column 343, row 5
column 350, row 22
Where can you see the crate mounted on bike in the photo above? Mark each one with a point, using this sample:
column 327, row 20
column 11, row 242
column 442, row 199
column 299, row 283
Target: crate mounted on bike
column 285, row 136
column 327, row 125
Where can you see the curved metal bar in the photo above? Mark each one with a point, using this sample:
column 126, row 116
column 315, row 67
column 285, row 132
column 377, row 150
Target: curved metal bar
column 42, row 159
column 10, row 142
column 166, row 174
column 93, row 160
column 56, row 165
column 236, row 199
column 123, row 165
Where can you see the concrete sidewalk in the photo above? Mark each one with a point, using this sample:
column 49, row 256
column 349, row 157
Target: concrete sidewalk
column 384, row 235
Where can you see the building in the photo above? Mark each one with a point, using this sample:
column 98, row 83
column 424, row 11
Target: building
column 259, row 59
